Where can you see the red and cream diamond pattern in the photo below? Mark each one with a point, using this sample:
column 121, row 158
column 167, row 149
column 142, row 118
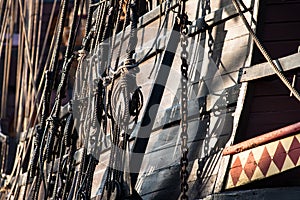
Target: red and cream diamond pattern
column 264, row 161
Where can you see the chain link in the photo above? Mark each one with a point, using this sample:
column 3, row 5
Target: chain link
column 184, row 109
column 210, row 42
column 201, row 161
column 206, row 8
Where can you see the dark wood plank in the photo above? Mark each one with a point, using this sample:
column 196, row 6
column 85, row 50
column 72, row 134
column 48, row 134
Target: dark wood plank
column 225, row 161
column 197, row 132
column 287, row 12
column 264, row 104
column 278, row 31
column 200, row 189
column 272, row 86
column 278, row 49
column 259, row 123
column 282, row 2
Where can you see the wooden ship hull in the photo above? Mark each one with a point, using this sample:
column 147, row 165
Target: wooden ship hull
column 242, row 116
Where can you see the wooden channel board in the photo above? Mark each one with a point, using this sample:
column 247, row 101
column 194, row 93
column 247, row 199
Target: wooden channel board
column 264, row 161
column 209, row 77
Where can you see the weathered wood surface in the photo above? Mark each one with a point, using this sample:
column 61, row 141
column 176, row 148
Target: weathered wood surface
column 218, row 72
column 155, row 98
column 164, row 145
column 211, row 135
column 221, row 70
column 198, row 107
column 209, row 76
column 157, row 172
column 212, row 107
column 215, row 127
column 264, row 161
column 232, row 59
column 228, row 35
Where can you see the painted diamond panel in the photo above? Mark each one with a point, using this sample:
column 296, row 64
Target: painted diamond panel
column 279, row 156
column 250, row 166
column 264, row 162
column 236, row 170
column 294, row 151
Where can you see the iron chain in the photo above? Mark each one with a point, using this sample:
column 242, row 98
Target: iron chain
column 184, row 110
column 210, row 43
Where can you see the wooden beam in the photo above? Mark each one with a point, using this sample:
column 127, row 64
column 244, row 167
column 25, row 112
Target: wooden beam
column 264, row 69
column 262, row 139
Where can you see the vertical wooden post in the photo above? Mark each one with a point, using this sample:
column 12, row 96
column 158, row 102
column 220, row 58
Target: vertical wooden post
column 4, row 25
column 10, row 45
column 22, row 68
column 28, row 72
column 25, row 73
column 18, row 73
column 5, row 82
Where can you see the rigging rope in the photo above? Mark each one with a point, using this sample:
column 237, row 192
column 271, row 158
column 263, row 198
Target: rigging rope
column 124, row 101
column 54, row 59
column 39, row 33
column 113, row 39
column 100, row 23
column 52, row 124
column 123, row 34
column 46, row 65
column 29, row 56
column 47, row 149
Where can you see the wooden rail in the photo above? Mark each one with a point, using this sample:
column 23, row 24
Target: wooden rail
column 264, row 69
column 262, row 139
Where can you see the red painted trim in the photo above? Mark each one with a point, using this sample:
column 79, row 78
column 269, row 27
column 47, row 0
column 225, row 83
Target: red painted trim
column 262, row 139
